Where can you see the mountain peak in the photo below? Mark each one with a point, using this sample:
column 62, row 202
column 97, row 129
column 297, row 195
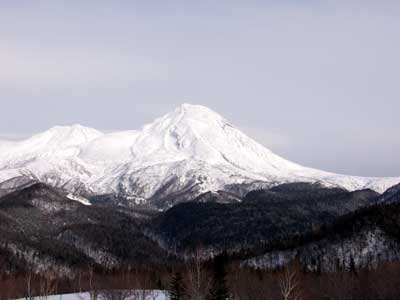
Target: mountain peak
column 191, row 147
column 186, row 120
column 55, row 140
column 74, row 129
column 188, row 107
column 194, row 111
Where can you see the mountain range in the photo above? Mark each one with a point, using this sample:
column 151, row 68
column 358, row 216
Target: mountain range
column 74, row 198
column 185, row 153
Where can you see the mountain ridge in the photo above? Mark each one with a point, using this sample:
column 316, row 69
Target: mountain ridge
column 191, row 148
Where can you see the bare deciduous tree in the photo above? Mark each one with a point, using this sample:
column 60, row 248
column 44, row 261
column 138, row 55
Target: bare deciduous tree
column 290, row 283
column 47, row 285
column 198, row 281
column 29, row 290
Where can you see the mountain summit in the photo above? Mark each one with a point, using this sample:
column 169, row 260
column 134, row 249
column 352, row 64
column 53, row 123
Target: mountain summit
column 188, row 151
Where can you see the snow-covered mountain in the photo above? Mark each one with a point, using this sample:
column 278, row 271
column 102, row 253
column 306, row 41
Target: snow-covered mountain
column 190, row 149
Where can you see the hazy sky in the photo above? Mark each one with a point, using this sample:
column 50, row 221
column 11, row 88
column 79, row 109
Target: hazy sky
column 318, row 82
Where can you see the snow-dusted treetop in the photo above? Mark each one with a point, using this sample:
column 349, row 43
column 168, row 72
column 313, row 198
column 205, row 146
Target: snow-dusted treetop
column 190, row 148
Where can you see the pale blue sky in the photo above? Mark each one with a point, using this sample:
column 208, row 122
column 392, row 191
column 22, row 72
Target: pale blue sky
column 315, row 81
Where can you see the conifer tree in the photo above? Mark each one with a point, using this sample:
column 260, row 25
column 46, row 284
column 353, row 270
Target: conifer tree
column 177, row 289
column 219, row 289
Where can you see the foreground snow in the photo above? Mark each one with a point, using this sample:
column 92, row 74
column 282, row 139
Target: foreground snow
column 116, row 294
column 191, row 148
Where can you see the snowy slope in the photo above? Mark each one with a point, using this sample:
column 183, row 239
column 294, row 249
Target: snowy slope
column 191, row 148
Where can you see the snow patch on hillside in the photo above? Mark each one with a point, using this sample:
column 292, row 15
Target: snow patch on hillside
column 79, row 199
